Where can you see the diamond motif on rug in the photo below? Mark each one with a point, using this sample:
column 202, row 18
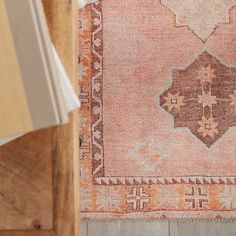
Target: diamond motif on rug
column 201, row 16
column 203, row 98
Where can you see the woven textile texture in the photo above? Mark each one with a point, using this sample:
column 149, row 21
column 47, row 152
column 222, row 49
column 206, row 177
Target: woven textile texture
column 158, row 116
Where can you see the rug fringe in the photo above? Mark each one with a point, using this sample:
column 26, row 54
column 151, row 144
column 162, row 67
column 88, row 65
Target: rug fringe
column 180, row 220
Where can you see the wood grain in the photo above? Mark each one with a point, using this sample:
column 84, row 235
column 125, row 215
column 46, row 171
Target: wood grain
column 159, row 229
column 62, row 15
column 128, row 229
column 102, row 229
column 26, row 183
column 30, row 165
column 183, row 228
column 203, row 229
column 145, row 229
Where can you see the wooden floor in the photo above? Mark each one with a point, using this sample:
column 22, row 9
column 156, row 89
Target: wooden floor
column 158, row 229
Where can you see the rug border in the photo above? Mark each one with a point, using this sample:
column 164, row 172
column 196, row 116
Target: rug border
column 97, row 145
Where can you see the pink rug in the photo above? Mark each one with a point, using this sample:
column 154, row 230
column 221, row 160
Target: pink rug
column 158, row 117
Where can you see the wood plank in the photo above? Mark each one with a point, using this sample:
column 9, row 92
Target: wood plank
column 28, row 233
column 183, row 229
column 26, row 183
column 129, row 229
column 145, row 229
column 216, row 229
column 83, row 229
column 161, row 229
column 103, row 229
column 62, row 21
column 203, row 229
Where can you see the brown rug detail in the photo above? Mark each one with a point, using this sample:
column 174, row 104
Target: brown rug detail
column 203, row 98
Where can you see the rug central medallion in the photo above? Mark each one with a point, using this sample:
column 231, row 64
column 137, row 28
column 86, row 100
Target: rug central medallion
column 201, row 16
column 202, row 97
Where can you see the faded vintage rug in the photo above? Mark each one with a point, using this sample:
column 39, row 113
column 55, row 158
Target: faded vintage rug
column 158, row 117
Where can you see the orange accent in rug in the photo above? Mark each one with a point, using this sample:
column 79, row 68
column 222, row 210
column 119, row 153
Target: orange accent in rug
column 158, row 116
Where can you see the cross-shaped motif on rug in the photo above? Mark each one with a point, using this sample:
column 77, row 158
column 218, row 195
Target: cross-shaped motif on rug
column 137, row 199
column 197, row 198
column 203, row 98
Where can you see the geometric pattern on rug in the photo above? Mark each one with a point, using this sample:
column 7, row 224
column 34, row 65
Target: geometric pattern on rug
column 213, row 13
column 141, row 159
column 203, row 98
